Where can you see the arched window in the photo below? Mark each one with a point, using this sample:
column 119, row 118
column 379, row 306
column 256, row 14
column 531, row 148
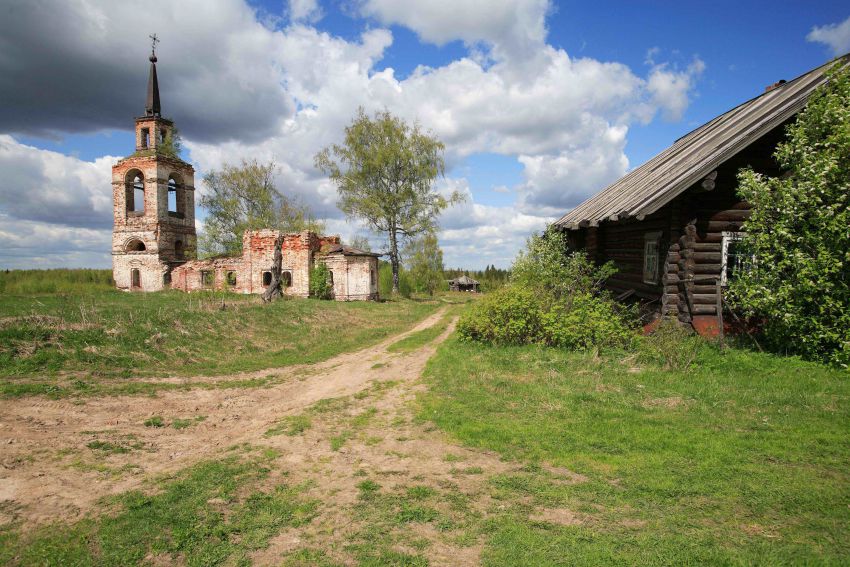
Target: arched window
column 172, row 196
column 135, row 279
column 178, row 249
column 231, row 279
column 176, row 199
column 135, row 246
column 135, row 192
column 330, row 277
column 267, row 278
column 287, row 279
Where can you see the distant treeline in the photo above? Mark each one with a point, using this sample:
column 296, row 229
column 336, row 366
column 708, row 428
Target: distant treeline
column 13, row 282
column 490, row 278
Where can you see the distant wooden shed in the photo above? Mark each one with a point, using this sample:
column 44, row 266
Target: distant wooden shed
column 464, row 283
column 672, row 225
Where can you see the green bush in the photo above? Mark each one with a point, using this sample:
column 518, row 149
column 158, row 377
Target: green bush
column 514, row 315
column 508, row 316
column 556, row 299
column 588, row 321
column 320, row 282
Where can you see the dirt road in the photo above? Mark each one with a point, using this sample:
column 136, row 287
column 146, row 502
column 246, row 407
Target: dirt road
column 50, row 472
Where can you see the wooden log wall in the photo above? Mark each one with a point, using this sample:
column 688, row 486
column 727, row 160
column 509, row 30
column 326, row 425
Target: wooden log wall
column 692, row 226
column 622, row 243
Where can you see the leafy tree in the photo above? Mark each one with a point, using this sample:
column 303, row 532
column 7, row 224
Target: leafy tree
column 384, row 171
column 425, row 261
column 172, row 145
column 799, row 233
column 361, row 243
column 244, row 198
column 320, row 282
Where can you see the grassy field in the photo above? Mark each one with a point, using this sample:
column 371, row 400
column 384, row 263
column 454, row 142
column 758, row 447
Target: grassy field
column 742, row 459
column 108, row 334
column 22, row 282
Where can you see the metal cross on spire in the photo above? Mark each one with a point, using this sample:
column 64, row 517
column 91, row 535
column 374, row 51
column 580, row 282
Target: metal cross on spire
column 154, row 41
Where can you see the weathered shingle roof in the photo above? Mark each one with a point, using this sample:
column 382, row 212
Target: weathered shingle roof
column 464, row 280
column 691, row 158
column 347, row 251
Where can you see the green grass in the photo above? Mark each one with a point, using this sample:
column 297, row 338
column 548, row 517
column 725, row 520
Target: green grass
column 111, row 334
column 155, row 421
column 23, row 282
column 211, row 513
column 742, row 459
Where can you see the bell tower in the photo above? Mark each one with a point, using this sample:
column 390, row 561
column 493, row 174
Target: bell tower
column 153, row 196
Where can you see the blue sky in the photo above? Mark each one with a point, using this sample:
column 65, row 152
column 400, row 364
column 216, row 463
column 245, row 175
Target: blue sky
column 540, row 103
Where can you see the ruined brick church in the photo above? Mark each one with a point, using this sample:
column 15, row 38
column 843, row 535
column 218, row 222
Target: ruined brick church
column 154, row 239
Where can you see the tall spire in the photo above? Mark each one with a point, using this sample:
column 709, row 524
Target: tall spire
column 152, row 107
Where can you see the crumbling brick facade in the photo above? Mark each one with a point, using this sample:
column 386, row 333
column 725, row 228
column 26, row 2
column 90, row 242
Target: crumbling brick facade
column 354, row 272
column 154, row 240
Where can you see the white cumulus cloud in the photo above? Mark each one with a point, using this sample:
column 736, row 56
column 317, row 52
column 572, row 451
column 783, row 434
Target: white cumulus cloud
column 835, row 36
column 238, row 89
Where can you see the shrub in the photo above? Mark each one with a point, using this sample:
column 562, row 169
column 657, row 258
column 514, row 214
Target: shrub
column 800, row 282
column 547, row 267
column 508, row 316
column 514, row 315
column 672, row 346
column 588, row 321
column 555, row 299
column 320, row 282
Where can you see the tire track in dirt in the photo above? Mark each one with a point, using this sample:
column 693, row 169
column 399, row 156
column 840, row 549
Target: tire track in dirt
column 48, row 474
column 42, row 441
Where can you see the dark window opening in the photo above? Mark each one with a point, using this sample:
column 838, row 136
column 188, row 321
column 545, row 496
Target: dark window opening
column 372, row 277
column 136, row 246
column 330, row 277
column 178, row 249
column 267, row 278
column 145, row 137
column 651, row 249
column 207, row 278
column 287, row 279
column 231, row 279
column 166, row 278
column 162, row 135
column 135, row 279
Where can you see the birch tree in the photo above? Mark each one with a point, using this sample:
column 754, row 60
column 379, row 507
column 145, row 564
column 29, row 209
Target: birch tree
column 384, row 171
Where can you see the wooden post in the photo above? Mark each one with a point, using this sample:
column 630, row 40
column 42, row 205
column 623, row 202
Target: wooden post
column 719, row 292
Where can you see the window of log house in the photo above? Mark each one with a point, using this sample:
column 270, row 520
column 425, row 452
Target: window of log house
column 651, row 241
column 735, row 259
